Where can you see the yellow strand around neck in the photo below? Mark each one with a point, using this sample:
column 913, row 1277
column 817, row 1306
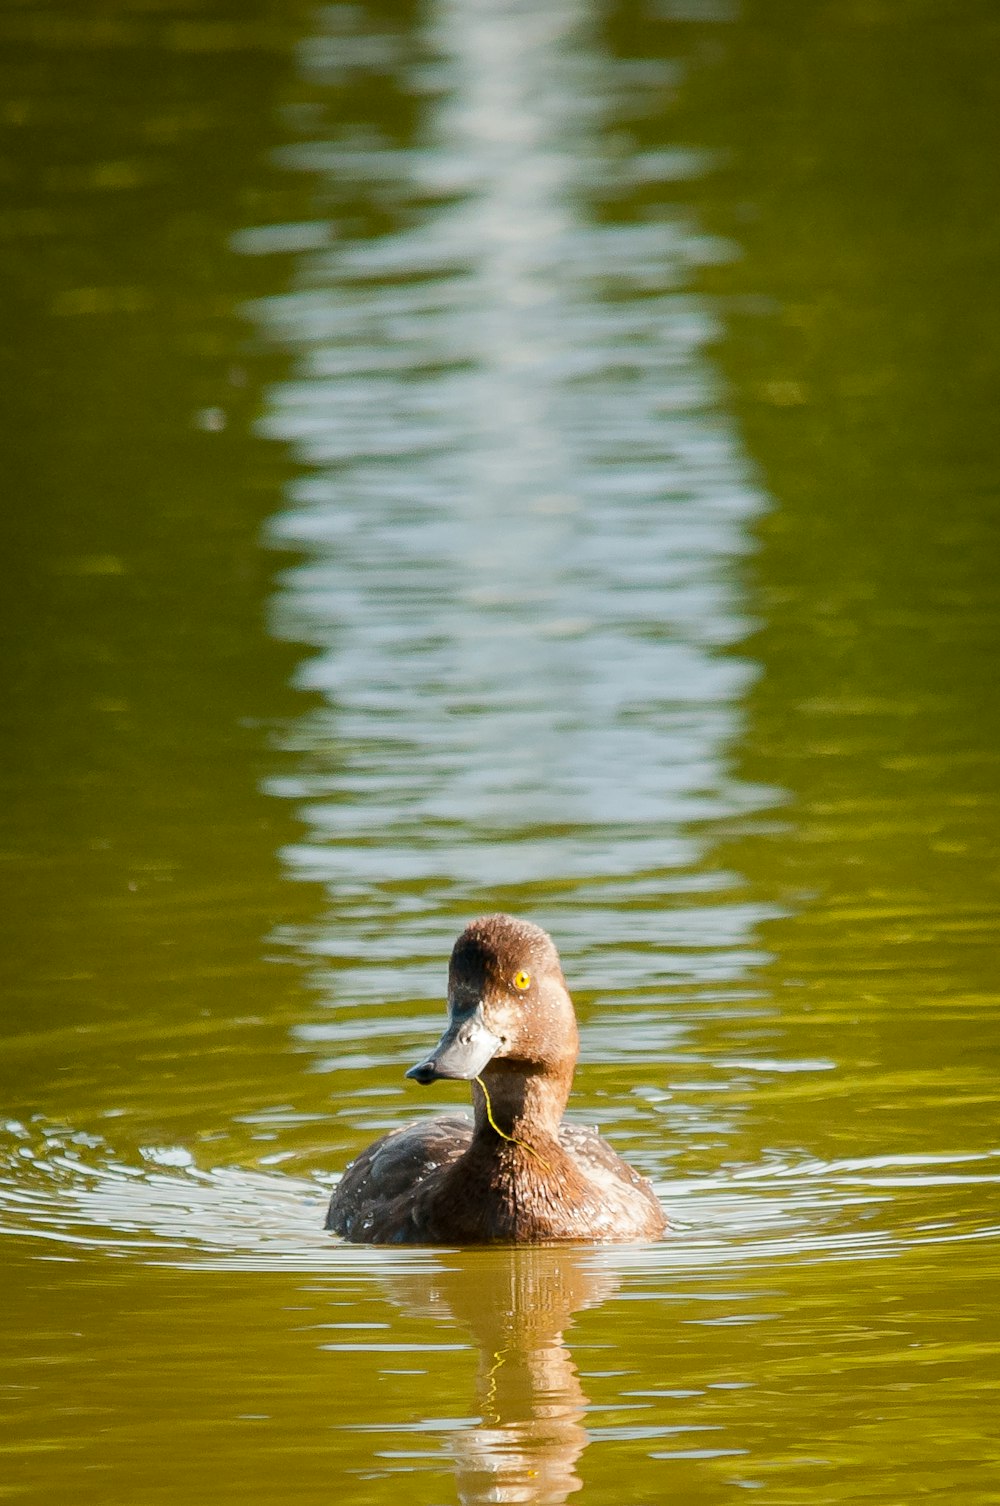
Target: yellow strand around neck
column 503, row 1133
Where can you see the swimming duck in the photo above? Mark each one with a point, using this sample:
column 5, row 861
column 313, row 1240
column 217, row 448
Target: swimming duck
column 515, row 1173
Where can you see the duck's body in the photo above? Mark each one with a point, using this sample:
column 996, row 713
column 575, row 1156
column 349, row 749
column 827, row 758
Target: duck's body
column 515, row 1173
column 439, row 1183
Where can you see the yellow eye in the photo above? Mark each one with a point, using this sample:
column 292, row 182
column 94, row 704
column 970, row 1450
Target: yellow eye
column 522, row 980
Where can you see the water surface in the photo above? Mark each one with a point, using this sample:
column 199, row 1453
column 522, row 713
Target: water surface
column 470, row 459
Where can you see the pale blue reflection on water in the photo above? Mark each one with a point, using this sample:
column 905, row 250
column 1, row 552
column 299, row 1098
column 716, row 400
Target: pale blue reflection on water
column 520, row 511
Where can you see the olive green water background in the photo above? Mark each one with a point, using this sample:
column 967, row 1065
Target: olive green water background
column 487, row 455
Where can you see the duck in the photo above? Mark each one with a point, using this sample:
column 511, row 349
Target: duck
column 516, row 1172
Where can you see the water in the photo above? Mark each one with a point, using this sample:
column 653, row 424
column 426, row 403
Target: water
column 471, row 459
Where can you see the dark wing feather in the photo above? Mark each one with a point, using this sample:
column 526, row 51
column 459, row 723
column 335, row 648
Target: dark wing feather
column 379, row 1191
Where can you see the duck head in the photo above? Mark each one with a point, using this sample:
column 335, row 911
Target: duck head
column 508, row 1006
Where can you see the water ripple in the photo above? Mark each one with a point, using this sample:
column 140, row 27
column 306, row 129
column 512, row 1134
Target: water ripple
column 70, row 1191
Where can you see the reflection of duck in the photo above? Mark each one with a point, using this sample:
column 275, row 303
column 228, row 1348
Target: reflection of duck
column 517, row 1304
column 516, row 1173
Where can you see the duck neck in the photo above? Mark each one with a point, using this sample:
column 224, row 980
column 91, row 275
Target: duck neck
column 519, row 1106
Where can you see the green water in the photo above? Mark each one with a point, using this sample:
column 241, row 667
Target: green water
column 491, row 456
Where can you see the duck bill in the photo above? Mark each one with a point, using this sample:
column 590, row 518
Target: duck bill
column 466, row 1047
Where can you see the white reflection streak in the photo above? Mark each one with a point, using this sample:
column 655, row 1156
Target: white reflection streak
column 522, row 494
column 522, row 109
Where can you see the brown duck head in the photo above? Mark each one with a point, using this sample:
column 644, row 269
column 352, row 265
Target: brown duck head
column 509, row 1010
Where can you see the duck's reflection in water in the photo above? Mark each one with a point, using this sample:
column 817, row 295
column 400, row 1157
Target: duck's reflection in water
column 517, row 1304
